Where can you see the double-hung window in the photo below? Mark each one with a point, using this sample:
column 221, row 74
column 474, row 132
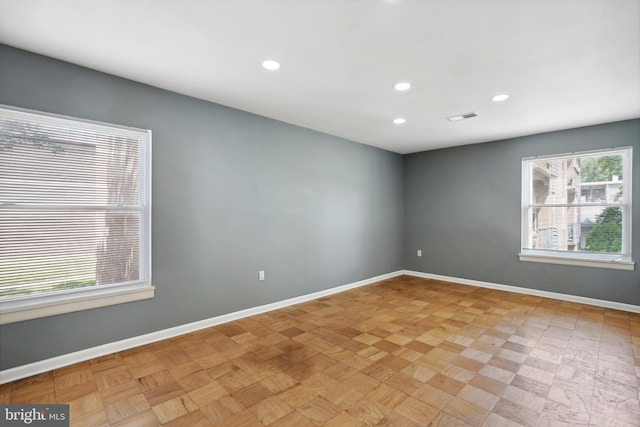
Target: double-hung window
column 75, row 214
column 576, row 209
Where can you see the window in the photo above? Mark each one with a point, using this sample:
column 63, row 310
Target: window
column 75, row 214
column 576, row 209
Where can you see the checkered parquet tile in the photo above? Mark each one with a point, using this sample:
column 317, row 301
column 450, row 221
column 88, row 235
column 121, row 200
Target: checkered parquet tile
column 401, row 352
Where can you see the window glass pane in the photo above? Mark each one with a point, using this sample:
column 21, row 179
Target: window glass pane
column 555, row 181
column 591, row 179
column 61, row 168
column 601, row 179
column 580, row 228
column 602, row 168
column 47, row 250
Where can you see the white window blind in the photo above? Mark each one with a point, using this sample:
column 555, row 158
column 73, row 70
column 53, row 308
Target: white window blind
column 74, row 205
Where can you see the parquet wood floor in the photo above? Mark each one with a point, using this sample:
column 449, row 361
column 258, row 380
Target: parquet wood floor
column 401, row 352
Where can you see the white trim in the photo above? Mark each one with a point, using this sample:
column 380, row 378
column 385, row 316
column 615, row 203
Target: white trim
column 55, row 119
column 525, row 201
column 145, row 231
column 72, row 300
column 613, row 264
column 37, row 305
column 528, row 291
column 575, row 154
column 614, row 261
column 46, row 365
column 627, row 194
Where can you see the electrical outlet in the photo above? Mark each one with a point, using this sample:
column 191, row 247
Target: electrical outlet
column 419, row 252
column 261, row 275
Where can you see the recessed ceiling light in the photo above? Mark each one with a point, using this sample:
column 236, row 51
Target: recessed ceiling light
column 501, row 97
column 402, row 86
column 271, row 64
column 399, row 121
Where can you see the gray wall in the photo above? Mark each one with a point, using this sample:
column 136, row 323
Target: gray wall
column 233, row 193
column 462, row 208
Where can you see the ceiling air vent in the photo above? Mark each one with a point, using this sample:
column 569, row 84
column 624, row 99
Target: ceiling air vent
column 462, row 117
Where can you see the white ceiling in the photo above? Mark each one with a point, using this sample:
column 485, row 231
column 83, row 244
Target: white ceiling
column 565, row 63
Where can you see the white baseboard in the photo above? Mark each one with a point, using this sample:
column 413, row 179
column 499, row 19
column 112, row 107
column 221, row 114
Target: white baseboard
column 46, row 365
column 527, row 291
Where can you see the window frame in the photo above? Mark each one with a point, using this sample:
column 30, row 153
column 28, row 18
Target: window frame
column 43, row 304
column 621, row 261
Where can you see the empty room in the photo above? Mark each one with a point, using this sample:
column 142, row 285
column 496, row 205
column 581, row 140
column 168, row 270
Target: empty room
column 320, row 213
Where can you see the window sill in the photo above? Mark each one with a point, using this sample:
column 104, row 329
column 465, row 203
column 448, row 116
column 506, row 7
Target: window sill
column 34, row 307
column 580, row 261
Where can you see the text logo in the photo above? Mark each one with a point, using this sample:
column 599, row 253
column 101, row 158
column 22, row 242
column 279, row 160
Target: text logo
column 34, row 415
